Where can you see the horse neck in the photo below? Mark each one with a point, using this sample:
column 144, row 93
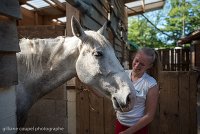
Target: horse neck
column 62, row 65
column 62, row 68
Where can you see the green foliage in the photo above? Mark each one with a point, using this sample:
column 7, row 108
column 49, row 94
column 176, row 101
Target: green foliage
column 177, row 19
column 141, row 33
column 183, row 18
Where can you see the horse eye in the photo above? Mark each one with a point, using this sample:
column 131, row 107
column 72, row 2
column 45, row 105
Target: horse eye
column 98, row 53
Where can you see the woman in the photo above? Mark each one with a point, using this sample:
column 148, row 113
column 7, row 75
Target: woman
column 136, row 120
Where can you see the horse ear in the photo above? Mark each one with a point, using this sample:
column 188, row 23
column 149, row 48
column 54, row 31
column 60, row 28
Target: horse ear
column 103, row 29
column 77, row 30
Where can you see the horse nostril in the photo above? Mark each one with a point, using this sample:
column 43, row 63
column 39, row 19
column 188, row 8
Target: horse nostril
column 128, row 99
column 116, row 103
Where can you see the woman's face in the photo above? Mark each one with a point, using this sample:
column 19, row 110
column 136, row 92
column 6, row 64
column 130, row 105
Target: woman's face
column 141, row 63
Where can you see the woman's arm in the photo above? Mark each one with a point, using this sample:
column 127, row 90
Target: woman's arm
column 150, row 109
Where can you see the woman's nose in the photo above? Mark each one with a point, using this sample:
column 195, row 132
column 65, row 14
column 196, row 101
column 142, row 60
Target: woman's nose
column 137, row 64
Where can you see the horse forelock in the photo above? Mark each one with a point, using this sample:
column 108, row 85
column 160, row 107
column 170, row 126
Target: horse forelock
column 35, row 52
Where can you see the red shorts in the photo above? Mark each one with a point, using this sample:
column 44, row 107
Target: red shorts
column 119, row 128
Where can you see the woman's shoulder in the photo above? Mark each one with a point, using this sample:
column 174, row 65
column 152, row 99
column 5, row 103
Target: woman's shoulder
column 151, row 81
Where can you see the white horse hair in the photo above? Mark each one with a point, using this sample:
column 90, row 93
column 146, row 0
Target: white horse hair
column 32, row 52
column 45, row 64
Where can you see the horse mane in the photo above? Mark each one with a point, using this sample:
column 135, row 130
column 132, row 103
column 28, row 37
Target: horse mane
column 35, row 52
column 57, row 51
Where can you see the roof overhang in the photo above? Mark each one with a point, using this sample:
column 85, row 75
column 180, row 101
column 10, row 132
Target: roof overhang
column 46, row 6
column 55, row 9
column 192, row 37
column 142, row 6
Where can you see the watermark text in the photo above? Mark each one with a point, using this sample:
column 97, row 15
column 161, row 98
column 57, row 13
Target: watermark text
column 26, row 129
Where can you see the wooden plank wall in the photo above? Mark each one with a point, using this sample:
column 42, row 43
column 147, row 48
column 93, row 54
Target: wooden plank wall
column 177, row 110
column 40, row 31
column 36, row 18
column 175, row 59
column 95, row 114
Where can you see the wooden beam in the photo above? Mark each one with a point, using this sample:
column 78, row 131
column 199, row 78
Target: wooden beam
column 55, row 6
column 59, row 5
column 42, row 12
column 31, row 6
column 21, row 2
column 143, row 5
column 128, row 1
column 148, row 7
column 54, row 16
column 4, row 18
column 71, row 11
column 36, row 18
column 194, row 36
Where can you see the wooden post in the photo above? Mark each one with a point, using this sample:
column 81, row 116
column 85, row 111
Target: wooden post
column 8, row 110
column 9, row 13
column 70, row 11
column 197, row 52
column 72, row 104
column 36, row 18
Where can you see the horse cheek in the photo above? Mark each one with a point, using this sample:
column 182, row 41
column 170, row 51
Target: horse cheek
column 83, row 70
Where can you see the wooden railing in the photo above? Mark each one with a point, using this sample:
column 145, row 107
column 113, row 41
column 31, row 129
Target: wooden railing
column 175, row 59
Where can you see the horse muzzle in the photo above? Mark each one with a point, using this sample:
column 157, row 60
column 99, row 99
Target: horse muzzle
column 123, row 104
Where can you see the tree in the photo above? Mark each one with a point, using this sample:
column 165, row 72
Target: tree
column 183, row 18
column 177, row 19
column 142, row 33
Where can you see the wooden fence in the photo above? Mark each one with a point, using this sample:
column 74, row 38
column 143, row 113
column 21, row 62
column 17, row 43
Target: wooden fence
column 175, row 59
column 176, row 112
column 95, row 114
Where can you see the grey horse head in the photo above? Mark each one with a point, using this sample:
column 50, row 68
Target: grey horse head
column 98, row 67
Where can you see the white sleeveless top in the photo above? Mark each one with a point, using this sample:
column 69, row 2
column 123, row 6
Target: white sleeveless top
column 142, row 86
